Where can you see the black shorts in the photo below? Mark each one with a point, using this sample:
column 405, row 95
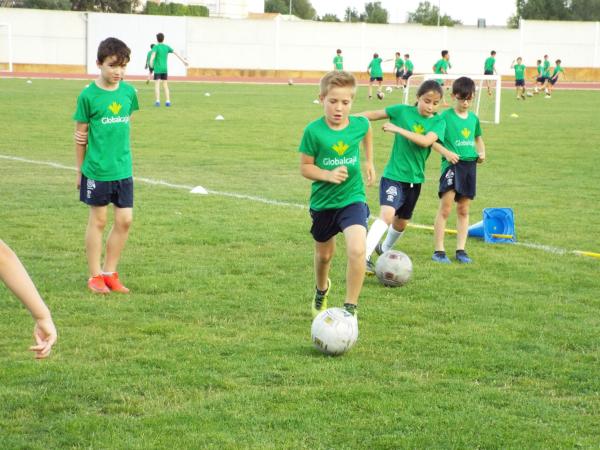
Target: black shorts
column 101, row 193
column 151, row 70
column 407, row 75
column 519, row 82
column 399, row 73
column 329, row 222
column 400, row 196
column 540, row 79
column 160, row 76
column 460, row 178
column 376, row 78
column 488, row 72
column 553, row 80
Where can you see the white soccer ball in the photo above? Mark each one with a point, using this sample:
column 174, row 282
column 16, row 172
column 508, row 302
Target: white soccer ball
column 393, row 268
column 380, row 95
column 388, row 89
column 334, row 331
column 290, row 82
column 529, row 94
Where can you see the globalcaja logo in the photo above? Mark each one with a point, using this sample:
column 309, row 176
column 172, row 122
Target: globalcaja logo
column 418, row 128
column 115, row 108
column 340, row 148
column 466, row 133
column 467, row 142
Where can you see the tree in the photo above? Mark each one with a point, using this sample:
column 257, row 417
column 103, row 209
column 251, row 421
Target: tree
column 64, row 5
column 351, row 15
column 329, row 18
column 114, row 6
column 375, row 13
column 300, row 8
column 427, row 14
column 585, row 10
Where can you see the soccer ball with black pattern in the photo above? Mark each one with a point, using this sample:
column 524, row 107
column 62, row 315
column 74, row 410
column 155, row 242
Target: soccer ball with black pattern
column 393, row 268
column 334, row 331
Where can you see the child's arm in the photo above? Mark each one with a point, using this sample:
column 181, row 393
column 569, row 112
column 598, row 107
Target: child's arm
column 373, row 115
column 480, row 147
column 183, row 60
column 18, row 281
column 81, row 130
column 451, row 157
column 421, row 140
column 368, row 146
column 312, row 172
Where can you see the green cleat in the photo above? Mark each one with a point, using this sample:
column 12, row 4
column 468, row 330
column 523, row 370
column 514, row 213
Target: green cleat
column 319, row 302
column 370, row 268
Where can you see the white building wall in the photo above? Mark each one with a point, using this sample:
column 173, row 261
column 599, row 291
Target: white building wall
column 62, row 37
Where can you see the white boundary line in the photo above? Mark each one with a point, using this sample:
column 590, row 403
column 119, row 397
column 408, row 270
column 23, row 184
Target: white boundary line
column 545, row 248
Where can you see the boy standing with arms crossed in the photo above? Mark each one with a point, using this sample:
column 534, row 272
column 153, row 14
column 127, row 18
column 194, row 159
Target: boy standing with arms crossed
column 462, row 148
column 330, row 157
column 104, row 175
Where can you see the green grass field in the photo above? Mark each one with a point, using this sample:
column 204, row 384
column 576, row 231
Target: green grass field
column 212, row 349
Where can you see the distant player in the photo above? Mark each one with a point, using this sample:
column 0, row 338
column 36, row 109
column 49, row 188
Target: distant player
column 158, row 61
column 461, row 148
column 519, row 69
column 489, row 68
column 408, row 69
column 539, row 80
column 398, row 69
column 330, row 157
column 543, row 80
column 416, row 128
column 338, row 60
column 441, row 67
column 150, row 70
column 104, row 171
column 16, row 278
column 554, row 77
column 375, row 74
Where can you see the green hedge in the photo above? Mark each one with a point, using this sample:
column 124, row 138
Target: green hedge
column 175, row 9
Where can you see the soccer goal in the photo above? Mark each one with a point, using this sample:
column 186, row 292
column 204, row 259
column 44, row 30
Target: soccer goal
column 6, row 56
column 487, row 96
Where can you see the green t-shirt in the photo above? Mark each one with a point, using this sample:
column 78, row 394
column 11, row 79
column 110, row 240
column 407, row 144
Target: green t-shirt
column 546, row 68
column 407, row 161
column 460, row 135
column 108, row 154
column 408, row 65
column 399, row 63
column 160, row 59
column 441, row 66
column 519, row 71
column 557, row 70
column 540, row 70
column 489, row 64
column 330, row 149
column 375, row 68
column 148, row 56
column 338, row 62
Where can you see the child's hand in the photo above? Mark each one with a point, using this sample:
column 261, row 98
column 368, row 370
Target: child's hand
column 451, row 157
column 45, row 336
column 78, row 180
column 389, row 126
column 337, row 175
column 370, row 174
column 81, row 137
column 481, row 158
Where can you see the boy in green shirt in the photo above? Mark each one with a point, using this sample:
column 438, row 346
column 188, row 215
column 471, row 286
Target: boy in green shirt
column 408, row 69
column 489, row 68
column 375, row 74
column 104, row 171
column 330, row 157
column 554, row 78
column 461, row 148
column 158, row 62
column 150, row 69
column 398, row 69
column 441, row 67
column 519, row 68
column 338, row 60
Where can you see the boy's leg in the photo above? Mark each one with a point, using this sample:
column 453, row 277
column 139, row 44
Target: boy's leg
column 370, row 88
column 378, row 228
column 157, row 91
column 462, row 222
column 117, row 238
column 323, row 255
column 395, row 230
column 167, row 93
column 93, row 238
column 441, row 219
column 355, row 236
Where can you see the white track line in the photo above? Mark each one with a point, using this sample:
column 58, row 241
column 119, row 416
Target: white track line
column 545, row 248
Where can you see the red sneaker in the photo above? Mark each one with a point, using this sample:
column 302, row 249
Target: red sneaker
column 97, row 285
column 114, row 284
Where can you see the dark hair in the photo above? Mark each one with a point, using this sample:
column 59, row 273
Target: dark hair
column 407, row 56
column 375, row 55
column 558, row 61
column 113, row 47
column 463, row 87
column 430, row 85
column 151, row 45
column 338, row 51
column 493, row 52
column 398, row 53
column 539, row 61
column 444, row 53
column 545, row 56
column 160, row 37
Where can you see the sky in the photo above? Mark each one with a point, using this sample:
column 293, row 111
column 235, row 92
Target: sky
column 495, row 12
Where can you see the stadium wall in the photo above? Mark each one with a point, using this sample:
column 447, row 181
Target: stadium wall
column 66, row 41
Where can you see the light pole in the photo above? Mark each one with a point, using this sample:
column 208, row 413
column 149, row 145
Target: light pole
column 439, row 11
column 290, row 7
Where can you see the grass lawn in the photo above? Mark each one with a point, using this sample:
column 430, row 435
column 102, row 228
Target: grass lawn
column 212, row 348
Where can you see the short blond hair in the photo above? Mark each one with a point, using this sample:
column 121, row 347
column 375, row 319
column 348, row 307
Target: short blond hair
column 337, row 78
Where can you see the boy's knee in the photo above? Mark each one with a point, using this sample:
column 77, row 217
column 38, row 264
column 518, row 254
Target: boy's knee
column 324, row 257
column 124, row 223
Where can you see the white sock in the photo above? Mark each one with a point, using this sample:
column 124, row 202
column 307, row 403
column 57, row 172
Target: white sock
column 374, row 235
column 391, row 238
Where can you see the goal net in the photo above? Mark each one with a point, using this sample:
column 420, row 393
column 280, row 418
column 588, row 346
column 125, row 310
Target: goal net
column 6, row 57
column 486, row 103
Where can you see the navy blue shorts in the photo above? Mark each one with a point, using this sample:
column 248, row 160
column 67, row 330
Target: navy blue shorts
column 488, row 72
column 407, row 75
column 400, row 196
column 540, row 79
column 160, row 76
column 399, row 73
column 329, row 222
column 519, row 82
column 460, row 178
column 376, row 78
column 553, row 80
column 101, row 193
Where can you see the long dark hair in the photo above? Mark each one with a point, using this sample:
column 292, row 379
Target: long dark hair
column 427, row 86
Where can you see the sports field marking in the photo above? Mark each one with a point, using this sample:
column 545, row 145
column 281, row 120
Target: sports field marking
column 545, row 248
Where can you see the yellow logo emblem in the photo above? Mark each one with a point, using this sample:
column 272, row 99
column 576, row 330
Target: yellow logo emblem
column 340, row 148
column 418, row 128
column 115, row 108
column 466, row 133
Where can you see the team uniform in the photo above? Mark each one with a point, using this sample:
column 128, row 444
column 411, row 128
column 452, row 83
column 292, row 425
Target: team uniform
column 161, row 52
column 546, row 70
column 519, row 74
column 441, row 67
column 375, row 71
column 408, row 69
column 334, row 207
column 488, row 67
column 540, row 72
column 460, row 138
column 338, row 62
column 148, row 56
column 554, row 77
column 107, row 169
column 399, row 66
column 404, row 173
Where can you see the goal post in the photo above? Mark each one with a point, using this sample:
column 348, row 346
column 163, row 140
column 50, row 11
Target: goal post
column 487, row 107
column 6, row 55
